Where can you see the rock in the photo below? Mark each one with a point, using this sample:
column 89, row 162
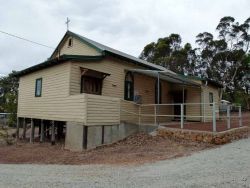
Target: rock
column 199, row 138
column 193, row 137
column 218, row 141
column 207, row 139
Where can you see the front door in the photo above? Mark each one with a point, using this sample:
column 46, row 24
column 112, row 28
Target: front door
column 178, row 98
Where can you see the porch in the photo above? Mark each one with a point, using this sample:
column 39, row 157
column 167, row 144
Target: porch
column 161, row 115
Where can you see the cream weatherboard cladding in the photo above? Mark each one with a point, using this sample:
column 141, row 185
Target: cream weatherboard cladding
column 113, row 85
column 207, row 109
column 102, row 110
column 77, row 48
column 193, row 106
column 61, row 99
column 129, row 112
column 55, row 102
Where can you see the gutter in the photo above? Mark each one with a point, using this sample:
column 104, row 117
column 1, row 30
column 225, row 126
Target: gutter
column 56, row 61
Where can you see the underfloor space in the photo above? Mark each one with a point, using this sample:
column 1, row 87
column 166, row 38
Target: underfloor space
column 25, row 134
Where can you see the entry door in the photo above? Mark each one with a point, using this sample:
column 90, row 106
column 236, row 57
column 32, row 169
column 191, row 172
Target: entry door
column 178, row 99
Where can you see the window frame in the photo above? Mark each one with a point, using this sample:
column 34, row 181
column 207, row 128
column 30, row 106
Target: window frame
column 36, row 87
column 211, row 98
column 96, row 80
column 131, row 84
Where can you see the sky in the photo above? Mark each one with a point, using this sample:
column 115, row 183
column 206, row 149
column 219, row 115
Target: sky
column 126, row 25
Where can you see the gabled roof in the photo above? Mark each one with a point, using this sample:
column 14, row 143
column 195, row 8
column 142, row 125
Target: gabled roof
column 105, row 50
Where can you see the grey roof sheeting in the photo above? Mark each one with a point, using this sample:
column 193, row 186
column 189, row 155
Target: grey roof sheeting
column 102, row 48
column 167, row 76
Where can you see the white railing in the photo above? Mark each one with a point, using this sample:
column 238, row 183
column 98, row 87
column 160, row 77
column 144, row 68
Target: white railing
column 231, row 115
column 160, row 114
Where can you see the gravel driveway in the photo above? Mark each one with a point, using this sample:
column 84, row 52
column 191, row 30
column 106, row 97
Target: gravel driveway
column 227, row 166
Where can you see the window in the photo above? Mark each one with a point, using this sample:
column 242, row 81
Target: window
column 70, row 42
column 129, row 87
column 38, row 89
column 211, row 98
column 156, row 93
column 91, row 85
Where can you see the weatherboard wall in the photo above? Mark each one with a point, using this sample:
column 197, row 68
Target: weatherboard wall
column 113, row 85
column 55, row 102
column 77, row 48
column 207, row 108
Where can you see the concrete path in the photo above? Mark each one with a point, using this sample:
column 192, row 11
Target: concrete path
column 227, row 166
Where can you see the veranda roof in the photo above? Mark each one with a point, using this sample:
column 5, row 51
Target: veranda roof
column 168, row 76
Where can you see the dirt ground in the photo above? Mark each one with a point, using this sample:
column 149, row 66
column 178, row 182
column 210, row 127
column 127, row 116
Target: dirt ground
column 136, row 149
column 225, row 167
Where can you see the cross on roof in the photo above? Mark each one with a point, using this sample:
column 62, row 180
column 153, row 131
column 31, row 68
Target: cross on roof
column 67, row 23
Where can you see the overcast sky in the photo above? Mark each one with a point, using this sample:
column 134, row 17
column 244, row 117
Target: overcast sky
column 127, row 25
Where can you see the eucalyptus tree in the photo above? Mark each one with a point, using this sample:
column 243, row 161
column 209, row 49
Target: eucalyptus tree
column 169, row 52
column 224, row 59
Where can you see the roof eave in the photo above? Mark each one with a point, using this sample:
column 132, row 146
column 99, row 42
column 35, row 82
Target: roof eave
column 56, row 61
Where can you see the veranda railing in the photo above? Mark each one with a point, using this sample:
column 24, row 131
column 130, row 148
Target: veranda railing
column 156, row 114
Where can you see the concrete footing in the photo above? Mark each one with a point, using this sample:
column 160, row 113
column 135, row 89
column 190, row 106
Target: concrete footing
column 74, row 136
column 107, row 134
column 79, row 137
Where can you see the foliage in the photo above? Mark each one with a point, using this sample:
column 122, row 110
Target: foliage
column 169, row 53
column 8, row 96
column 224, row 59
column 238, row 97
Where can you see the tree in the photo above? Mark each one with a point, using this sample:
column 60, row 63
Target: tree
column 168, row 52
column 8, row 96
column 224, row 59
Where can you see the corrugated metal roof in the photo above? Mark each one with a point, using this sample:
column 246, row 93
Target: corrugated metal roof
column 167, row 76
column 119, row 53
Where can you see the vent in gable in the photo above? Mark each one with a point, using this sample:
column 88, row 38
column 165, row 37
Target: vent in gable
column 70, row 42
